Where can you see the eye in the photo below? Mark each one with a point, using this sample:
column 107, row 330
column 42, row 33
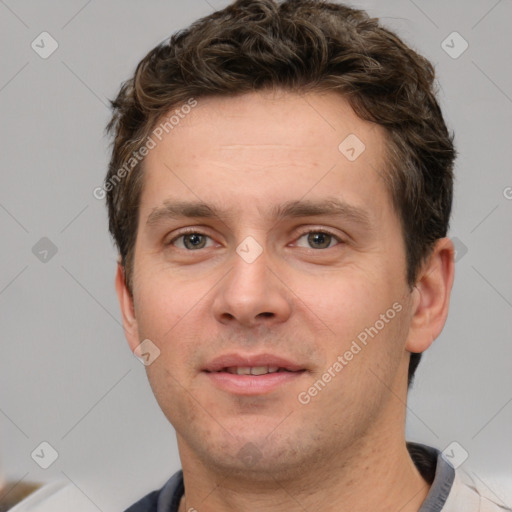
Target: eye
column 317, row 240
column 191, row 241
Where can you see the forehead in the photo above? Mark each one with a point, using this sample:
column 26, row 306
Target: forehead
column 266, row 148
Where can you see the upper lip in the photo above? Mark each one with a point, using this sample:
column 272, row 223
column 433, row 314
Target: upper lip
column 251, row 360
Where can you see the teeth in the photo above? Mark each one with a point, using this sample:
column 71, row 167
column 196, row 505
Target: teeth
column 259, row 370
column 252, row 370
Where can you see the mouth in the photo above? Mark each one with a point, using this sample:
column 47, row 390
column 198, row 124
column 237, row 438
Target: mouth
column 252, row 374
column 253, row 370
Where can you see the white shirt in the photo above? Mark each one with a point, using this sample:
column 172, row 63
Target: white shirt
column 469, row 496
column 56, row 497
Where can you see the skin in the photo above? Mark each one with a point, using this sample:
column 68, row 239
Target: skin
column 306, row 301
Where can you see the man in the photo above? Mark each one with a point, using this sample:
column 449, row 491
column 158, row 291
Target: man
column 279, row 191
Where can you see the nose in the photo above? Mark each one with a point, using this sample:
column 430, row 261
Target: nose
column 252, row 294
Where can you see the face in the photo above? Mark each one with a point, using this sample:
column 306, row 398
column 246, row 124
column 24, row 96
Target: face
column 270, row 272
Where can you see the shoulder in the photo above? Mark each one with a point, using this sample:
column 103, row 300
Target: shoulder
column 55, row 497
column 147, row 504
column 166, row 499
column 469, row 494
column 451, row 490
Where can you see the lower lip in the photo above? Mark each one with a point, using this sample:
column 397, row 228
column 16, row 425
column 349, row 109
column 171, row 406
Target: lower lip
column 251, row 384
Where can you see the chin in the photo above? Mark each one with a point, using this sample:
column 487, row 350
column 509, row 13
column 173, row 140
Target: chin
column 252, row 465
column 254, row 457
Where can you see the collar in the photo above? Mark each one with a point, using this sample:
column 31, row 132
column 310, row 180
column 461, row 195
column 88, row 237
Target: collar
column 429, row 461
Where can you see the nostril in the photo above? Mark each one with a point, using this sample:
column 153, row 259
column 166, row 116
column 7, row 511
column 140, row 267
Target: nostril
column 266, row 315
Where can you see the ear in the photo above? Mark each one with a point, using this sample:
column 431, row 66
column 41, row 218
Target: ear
column 431, row 297
column 127, row 309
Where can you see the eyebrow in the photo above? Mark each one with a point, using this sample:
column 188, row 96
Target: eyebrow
column 327, row 207
column 181, row 209
column 303, row 208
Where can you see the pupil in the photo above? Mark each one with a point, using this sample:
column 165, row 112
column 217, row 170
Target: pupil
column 321, row 240
column 193, row 241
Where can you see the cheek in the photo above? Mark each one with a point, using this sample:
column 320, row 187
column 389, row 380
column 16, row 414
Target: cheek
column 162, row 302
column 168, row 318
column 168, row 386
column 363, row 320
column 364, row 357
column 346, row 300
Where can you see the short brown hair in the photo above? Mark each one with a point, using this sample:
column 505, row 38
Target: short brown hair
column 299, row 46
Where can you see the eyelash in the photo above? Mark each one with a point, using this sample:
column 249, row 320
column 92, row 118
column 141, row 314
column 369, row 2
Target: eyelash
column 193, row 231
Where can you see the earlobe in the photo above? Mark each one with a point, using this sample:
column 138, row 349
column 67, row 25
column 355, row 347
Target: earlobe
column 127, row 308
column 431, row 297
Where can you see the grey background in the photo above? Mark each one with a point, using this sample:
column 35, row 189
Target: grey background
column 66, row 374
